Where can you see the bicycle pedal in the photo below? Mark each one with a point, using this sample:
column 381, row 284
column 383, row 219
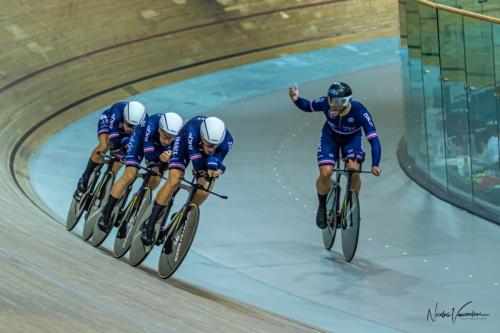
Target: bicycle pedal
column 161, row 237
column 159, row 241
column 146, row 241
column 122, row 231
column 118, row 220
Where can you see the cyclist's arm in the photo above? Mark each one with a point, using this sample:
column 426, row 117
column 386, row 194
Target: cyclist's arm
column 131, row 143
column 376, row 151
column 193, row 137
column 214, row 162
column 150, row 153
column 116, row 115
column 372, row 136
column 311, row 106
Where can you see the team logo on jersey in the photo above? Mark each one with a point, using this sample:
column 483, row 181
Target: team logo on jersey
column 350, row 119
column 130, row 142
column 367, row 116
column 175, row 151
column 148, row 131
column 190, row 141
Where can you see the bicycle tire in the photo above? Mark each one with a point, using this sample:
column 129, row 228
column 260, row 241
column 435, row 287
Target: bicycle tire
column 184, row 236
column 350, row 234
column 132, row 216
column 331, row 229
column 139, row 251
column 102, row 194
column 98, row 235
column 77, row 208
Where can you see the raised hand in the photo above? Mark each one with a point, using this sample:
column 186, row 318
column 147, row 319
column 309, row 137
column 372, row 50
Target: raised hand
column 293, row 92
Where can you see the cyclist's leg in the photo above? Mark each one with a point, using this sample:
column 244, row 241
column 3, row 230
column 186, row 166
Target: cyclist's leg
column 354, row 156
column 163, row 196
column 323, row 181
column 176, row 167
column 117, row 165
column 154, row 181
column 327, row 156
column 355, row 179
column 132, row 160
column 170, row 187
column 201, row 196
column 96, row 160
column 119, row 188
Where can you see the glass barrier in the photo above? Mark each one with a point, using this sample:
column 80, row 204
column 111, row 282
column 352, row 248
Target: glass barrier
column 451, row 71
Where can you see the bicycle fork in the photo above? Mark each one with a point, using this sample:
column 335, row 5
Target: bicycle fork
column 345, row 214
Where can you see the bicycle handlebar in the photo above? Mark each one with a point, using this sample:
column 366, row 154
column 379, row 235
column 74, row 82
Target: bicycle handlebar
column 351, row 171
column 198, row 186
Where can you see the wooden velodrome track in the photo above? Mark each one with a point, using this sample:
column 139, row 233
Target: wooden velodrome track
column 62, row 59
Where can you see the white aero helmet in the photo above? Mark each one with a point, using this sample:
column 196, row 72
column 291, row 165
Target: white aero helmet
column 213, row 130
column 134, row 113
column 171, row 123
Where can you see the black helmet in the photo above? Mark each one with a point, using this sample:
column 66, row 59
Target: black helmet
column 339, row 94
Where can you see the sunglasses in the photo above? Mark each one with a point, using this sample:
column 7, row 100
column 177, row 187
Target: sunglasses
column 168, row 135
column 208, row 144
column 126, row 123
column 339, row 102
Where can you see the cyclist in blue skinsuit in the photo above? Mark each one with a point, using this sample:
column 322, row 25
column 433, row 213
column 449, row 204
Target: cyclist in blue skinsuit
column 116, row 124
column 152, row 140
column 205, row 142
column 341, row 131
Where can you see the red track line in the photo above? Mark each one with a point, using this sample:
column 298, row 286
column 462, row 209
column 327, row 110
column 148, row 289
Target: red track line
column 159, row 35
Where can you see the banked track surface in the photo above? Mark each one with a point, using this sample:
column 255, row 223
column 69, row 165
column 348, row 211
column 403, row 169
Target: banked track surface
column 50, row 280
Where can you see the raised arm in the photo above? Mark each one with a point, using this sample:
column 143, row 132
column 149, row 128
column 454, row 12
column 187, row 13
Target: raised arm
column 305, row 104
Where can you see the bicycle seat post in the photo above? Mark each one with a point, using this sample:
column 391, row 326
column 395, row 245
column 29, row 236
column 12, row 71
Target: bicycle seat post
column 145, row 180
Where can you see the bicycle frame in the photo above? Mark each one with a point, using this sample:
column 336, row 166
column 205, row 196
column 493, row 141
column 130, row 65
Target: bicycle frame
column 109, row 167
column 137, row 197
column 343, row 213
column 179, row 218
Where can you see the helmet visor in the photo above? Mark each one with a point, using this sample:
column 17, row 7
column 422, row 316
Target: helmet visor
column 339, row 101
